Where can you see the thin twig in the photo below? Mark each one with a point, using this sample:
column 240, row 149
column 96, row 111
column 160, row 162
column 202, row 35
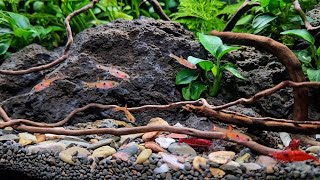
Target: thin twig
column 286, row 57
column 303, row 16
column 66, row 51
column 246, row 6
column 158, row 9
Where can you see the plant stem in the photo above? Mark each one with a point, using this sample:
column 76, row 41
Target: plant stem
column 213, row 90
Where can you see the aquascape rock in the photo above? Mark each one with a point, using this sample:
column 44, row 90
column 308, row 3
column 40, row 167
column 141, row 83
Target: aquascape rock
column 139, row 48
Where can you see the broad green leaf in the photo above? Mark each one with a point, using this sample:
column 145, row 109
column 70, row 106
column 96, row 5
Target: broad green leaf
column 302, row 33
column 4, row 46
column 231, row 68
column 204, row 64
column 318, row 52
column 262, row 20
column 245, row 20
column 314, row 75
column 210, row 43
column 185, row 76
column 196, row 90
column 264, row 3
column 20, row 20
column 224, row 49
column 256, row 31
column 303, row 56
column 186, row 93
column 214, row 70
column 123, row 16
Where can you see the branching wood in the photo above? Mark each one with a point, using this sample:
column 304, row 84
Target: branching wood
column 303, row 16
column 66, row 51
column 245, row 7
column 286, row 57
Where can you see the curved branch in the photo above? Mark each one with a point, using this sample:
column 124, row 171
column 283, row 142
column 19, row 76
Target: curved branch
column 66, row 51
column 286, row 57
column 246, row 6
column 143, row 129
column 267, row 92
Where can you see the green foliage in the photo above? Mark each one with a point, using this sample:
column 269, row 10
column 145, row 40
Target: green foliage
column 208, row 80
column 42, row 22
column 204, row 15
column 272, row 18
column 311, row 68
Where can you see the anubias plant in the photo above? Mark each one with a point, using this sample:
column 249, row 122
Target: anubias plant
column 208, row 79
column 310, row 57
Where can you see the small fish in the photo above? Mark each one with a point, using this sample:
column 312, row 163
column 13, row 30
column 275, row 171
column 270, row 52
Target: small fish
column 183, row 61
column 100, row 84
column 293, row 145
column 46, row 82
column 114, row 72
column 196, row 142
column 293, row 155
column 128, row 115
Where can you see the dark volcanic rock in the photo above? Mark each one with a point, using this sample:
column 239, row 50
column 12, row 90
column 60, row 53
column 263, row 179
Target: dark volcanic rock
column 139, row 48
column 32, row 55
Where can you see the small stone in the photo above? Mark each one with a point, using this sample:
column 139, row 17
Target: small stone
column 197, row 161
column 149, row 136
column 103, row 142
column 233, row 163
column 70, row 143
column 40, row 138
column 9, row 137
column 313, row 149
column 267, row 162
column 230, row 169
column 177, row 136
column 217, row 173
column 251, row 166
column 153, row 146
column 47, row 146
column 172, row 161
column 138, row 167
column 143, row 156
column 187, row 166
column 164, row 142
column 221, row 157
column 162, row 169
column 182, row 149
column 243, row 158
column 130, row 137
column 67, row 154
column 103, row 151
column 26, row 138
column 126, row 153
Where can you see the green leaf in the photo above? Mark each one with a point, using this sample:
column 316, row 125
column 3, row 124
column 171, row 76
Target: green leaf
column 4, row 46
column 197, row 89
column 210, row 43
column 214, row 70
column 245, row 20
column 20, row 20
column 231, row 68
column 185, row 76
column 264, row 3
column 123, row 16
column 224, row 49
column 314, row 75
column 186, row 93
column 204, row 64
column 303, row 56
column 302, row 33
column 318, row 52
column 262, row 20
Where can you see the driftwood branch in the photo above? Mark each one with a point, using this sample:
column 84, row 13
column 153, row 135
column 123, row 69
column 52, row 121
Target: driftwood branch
column 286, row 57
column 246, row 6
column 158, row 9
column 143, row 129
column 303, row 16
column 67, row 48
